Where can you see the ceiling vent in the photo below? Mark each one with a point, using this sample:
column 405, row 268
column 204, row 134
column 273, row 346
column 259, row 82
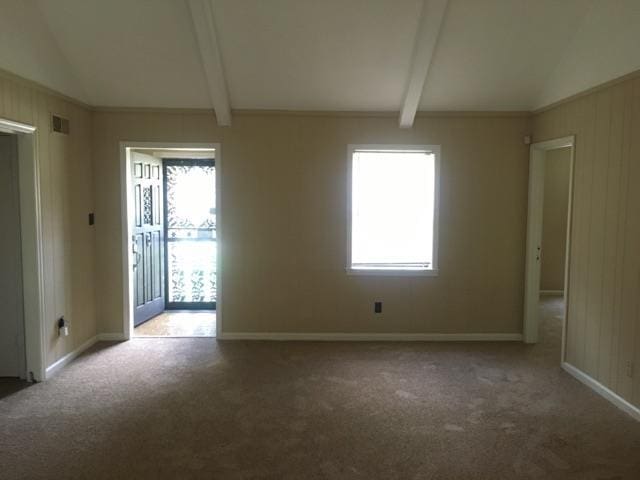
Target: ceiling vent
column 59, row 124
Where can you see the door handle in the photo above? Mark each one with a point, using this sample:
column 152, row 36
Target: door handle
column 134, row 250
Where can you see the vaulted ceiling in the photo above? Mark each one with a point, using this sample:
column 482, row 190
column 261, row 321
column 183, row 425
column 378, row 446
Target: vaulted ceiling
column 320, row 55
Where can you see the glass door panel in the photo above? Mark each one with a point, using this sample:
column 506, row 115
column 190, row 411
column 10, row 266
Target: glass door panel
column 190, row 209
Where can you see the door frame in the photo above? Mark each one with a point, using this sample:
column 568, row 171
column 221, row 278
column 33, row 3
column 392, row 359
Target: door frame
column 126, row 212
column 537, row 156
column 32, row 247
column 165, row 226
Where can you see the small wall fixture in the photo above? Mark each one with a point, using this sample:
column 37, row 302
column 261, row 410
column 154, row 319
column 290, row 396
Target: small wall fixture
column 63, row 328
column 59, row 124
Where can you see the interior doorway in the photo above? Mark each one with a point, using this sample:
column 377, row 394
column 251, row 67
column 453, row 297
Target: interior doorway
column 548, row 235
column 12, row 341
column 172, row 220
column 22, row 282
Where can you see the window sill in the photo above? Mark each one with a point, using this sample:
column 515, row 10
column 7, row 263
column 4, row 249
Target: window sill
column 394, row 272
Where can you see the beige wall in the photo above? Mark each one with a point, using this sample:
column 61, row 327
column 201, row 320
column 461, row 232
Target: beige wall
column 603, row 331
column 66, row 183
column 554, row 225
column 284, row 222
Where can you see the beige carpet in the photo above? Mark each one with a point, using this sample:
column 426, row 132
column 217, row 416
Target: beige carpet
column 196, row 409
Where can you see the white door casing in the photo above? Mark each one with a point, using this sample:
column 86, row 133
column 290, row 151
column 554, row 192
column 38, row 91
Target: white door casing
column 534, row 236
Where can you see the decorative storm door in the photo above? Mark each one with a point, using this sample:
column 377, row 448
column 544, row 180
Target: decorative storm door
column 147, row 239
column 190, row 232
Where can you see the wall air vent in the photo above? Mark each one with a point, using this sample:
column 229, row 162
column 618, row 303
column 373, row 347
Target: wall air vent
column 59, row 124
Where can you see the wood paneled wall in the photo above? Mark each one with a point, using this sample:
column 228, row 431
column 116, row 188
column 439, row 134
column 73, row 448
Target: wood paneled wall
column 66, row 183
column 603, row 330
column 603, row 334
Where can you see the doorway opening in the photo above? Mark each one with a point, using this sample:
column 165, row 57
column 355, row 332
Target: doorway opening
column 12, row 344
column 22, row 352
column 173, row 193
column 548, row 239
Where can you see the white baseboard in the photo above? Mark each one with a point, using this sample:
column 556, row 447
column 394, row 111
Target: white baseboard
column 545, row 293
column 603, row 391
column 111, row 337
column 60, row 363
column 56, row 366
column 375, row 337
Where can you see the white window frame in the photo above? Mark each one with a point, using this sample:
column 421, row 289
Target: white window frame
column 424, row 272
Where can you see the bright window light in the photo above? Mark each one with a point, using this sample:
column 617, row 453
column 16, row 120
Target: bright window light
column 393, row 209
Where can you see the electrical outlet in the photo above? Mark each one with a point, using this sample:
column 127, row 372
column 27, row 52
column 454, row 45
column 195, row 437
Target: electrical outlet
column 63, row 327
column 630, row 369
column 377, row 307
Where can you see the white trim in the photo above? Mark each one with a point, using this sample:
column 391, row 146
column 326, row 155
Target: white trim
column 111, row 337
column 32, row 246
column 177, row 153
column 393, row 272
column 603, row 391
column 567, row 252
column 426, row 39
column 11, row 127
column 374, row 337
column 562, row 142
column 211, row 58
column 62, row 362
column 172, row 336
column 537, row 155
column 550, row 293
column 533, row 245
column 101, row 337
column 126, row 212
column 436, row 150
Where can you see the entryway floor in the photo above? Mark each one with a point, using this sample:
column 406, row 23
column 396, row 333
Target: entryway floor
column 179, row 323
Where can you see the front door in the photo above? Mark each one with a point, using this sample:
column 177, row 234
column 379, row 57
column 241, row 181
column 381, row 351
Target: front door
column 147, row 240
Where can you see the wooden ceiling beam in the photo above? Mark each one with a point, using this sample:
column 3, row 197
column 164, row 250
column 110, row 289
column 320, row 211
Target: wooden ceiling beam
column 205, row 30
column 431, row 19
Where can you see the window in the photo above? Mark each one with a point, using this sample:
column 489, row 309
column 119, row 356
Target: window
column 393, row 209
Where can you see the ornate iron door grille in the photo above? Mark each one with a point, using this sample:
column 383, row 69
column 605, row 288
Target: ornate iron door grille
column 190, row 233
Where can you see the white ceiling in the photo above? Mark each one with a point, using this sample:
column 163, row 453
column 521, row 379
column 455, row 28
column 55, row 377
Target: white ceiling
column 318, row 55
column 27, row 48
column 138, row 53
column 321, row 55
column 496, row 54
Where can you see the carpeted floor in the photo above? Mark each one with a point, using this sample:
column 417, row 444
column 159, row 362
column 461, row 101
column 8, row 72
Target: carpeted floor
column 191, row 408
